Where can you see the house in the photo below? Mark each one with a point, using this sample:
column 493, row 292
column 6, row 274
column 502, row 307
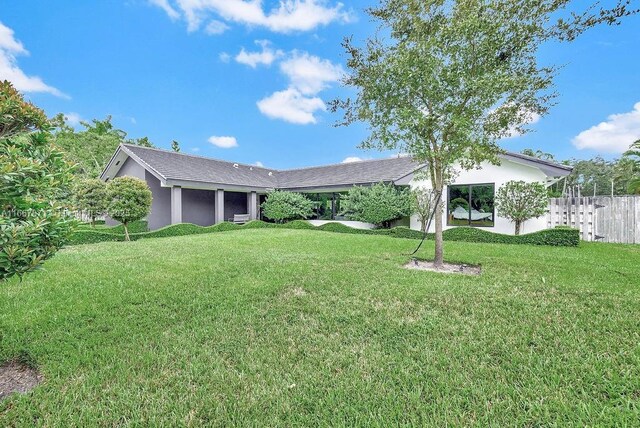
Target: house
column 205, row 191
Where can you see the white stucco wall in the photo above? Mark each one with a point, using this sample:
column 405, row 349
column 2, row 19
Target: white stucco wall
column 498, row 175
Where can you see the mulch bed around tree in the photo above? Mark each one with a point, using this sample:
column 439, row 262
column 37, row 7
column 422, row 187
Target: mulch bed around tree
column 446, row 268
column 17, row 377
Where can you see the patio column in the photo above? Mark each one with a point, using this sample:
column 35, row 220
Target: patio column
column 219, row 206
column 252, row 205
column 333, row 206
column 176, row 205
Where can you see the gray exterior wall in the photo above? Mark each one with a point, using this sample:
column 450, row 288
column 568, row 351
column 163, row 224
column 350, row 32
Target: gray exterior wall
column 234, row 203
column 198, row 207
column 160, row 214
column 131, row 168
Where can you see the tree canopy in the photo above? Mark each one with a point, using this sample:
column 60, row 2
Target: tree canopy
column 444, row 80
column 91, row 148
column 129, row 199
column 520, row 201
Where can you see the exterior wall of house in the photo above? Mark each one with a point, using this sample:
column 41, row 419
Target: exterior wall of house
column 497, row 175
column 198, row 207
column 131, row 168
column 234, row 203
column 160, row 215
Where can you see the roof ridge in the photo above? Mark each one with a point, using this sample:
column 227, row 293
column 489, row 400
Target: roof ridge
column 344, row 163
column 199, row 156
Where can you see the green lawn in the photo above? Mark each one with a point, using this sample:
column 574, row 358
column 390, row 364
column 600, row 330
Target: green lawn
column 290, row 327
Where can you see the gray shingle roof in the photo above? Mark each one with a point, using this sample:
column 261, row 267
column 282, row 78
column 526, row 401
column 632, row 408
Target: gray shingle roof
column 179, row 166
column 363, row 172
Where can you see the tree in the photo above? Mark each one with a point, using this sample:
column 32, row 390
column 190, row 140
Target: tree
column 539, row 154
column 282, row 206
column 33, row 174
column 91, row 148
column 632, row 158
column 175, row 146
column 520, row 201
column 90, row 197
column 378, row 204
column 129, row 200
column 424, row 200
column 444, row 80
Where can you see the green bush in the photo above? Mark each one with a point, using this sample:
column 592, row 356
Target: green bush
column 565, row 237
column 85, row 236
column 282, row 206
column 134, row 227
column 129, row 200
column 34, row 178
column 378, row 204
column 90, row 197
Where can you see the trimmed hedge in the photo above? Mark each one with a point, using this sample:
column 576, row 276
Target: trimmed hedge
column 560, row 237
column 134, row 227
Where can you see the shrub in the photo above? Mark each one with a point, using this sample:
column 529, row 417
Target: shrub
column 129, row 200
column 90, row 197
column 520, row 201
column 138, row 226
column 92, row 237
column 33, row 177
column 282, row 206
column 379, row 204
column 564, row 237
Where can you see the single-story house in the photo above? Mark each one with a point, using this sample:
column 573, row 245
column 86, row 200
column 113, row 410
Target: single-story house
column 196, row 189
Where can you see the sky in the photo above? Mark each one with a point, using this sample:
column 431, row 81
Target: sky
column 249, row 80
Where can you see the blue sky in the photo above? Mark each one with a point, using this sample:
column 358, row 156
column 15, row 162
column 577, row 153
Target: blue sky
column 247, row 80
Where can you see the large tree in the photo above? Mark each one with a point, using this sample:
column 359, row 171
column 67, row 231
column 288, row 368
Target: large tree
column 33, row 175
column 444, row 80
column 91, row 148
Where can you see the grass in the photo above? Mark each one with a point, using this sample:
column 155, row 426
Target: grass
column 277, row 327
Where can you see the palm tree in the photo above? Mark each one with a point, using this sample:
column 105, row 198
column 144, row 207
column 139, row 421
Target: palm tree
column 633, row 154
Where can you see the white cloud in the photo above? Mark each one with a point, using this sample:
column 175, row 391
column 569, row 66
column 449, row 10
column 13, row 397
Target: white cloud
column 289, row 16
column 614, row 135
column 292, row 106
column 73, row 119
column 216, row 27
column 9, row 70
column 195, row 149
column 310, row 74
column 352, row 159
column 223, row 142
column 225, row 57
column 260, row 164
column 169, row 10
column 253, row 59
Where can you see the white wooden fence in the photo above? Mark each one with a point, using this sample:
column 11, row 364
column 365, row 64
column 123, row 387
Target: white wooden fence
column 599, row 218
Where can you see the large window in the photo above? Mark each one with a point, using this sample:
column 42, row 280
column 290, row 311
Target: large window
column 326, row 206
column 471, row 205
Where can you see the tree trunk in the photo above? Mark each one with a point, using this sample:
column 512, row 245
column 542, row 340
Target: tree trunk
column 517, row 227
column 93, row 222
column 437, row 182
column 126, row 232
column 438, row 260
